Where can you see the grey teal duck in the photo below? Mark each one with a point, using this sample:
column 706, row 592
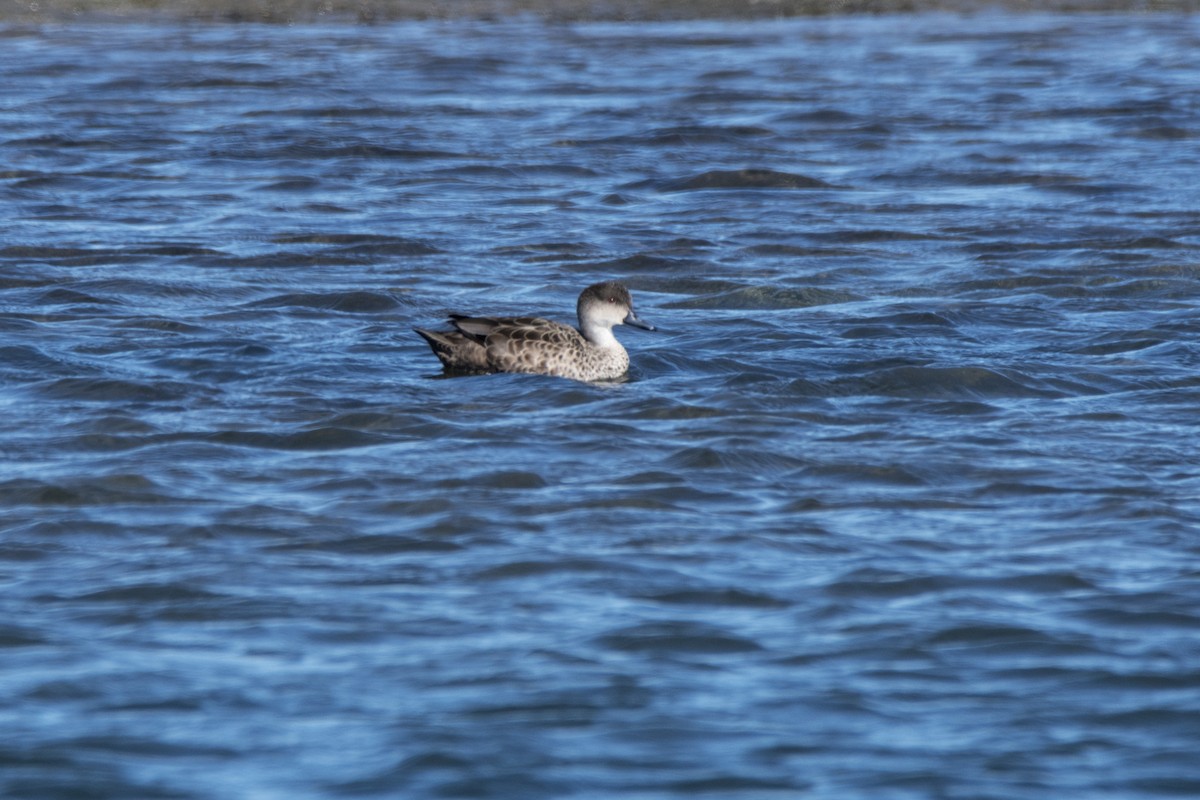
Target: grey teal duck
column 540, row 346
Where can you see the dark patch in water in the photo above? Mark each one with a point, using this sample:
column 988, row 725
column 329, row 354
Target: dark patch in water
column 741, row 179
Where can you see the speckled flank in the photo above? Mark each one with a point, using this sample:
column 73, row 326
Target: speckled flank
column 540, row 346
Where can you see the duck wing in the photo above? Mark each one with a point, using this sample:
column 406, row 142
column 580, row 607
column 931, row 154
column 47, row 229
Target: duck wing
column 521, row 344
column 457, row 350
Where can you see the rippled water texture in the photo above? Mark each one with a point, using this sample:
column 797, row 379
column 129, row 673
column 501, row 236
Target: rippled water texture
column 901, row 502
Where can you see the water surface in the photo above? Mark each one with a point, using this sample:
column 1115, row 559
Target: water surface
column 902, row 501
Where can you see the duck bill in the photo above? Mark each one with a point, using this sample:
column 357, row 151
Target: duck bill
column 631, row 319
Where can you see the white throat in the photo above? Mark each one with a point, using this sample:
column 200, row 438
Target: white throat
column 600, row 335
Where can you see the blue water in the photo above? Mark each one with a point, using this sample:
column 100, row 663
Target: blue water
column 902, row 501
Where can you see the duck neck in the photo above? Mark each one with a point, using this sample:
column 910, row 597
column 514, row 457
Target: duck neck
column 599, row 335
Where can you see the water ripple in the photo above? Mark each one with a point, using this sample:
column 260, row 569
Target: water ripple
column 906, row 477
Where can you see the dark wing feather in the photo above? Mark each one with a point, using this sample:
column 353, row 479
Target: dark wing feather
column 456, row 351
column 477, row 328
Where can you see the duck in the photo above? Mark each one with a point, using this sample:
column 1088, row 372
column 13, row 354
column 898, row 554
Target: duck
column 538, row 346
